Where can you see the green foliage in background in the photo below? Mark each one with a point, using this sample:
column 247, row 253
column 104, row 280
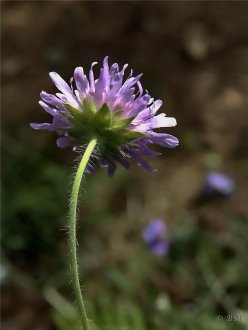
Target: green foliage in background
column 203, row 276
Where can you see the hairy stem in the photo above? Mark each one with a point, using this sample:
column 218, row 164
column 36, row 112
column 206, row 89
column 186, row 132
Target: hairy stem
column 72, row 232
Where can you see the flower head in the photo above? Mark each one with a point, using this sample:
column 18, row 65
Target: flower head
column 115, row 111
column 218, row 184
column 155, row 236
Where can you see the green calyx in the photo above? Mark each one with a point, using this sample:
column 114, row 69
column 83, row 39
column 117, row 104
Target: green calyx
column 107, row 126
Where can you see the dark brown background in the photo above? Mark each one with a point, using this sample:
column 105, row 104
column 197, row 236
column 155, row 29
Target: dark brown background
column 194, row 56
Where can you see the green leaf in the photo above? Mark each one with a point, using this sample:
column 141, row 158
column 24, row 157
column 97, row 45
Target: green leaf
column 89, row 106
column 102, row 117
column 122, row 123
column 128, row 136
column 75, row 113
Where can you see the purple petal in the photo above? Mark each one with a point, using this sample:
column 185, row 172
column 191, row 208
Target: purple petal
column 53, row 100
column 139, row 105
column 122, row 161
column 114, row 68
column 163, row 139
column 218, row 183
column 149, row 112
column 146, row 151
column 65, row 89
column 61, row 97
column 122, row 100
column 111, row 170
column 160, row 248
column 100, row 86
column 91, row 78
column 155, row 228
column 136, row 156
column 111, row 166
column 130, row 82
column 90, row 169
column 43, row 126
column 106, row 70
column 48, row 109
column 81, row 82
column 116, row 79
column 115, row 85
column 155, row 236
column 63, row 141
column 140, row 87
column 156, row 122
column 103, row 82
column 57, row 123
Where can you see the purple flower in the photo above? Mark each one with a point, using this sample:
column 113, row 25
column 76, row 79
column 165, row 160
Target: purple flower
column 155, row 236
column 218, row 184
column 110, row 108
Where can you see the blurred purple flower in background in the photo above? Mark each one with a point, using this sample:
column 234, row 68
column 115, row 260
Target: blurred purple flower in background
column 155, row 236
column 111, row 109
column 218, row 184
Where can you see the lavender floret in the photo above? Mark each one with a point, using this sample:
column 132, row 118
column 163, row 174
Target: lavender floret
column 218, row 184
column 155, row 236
column 115, row 111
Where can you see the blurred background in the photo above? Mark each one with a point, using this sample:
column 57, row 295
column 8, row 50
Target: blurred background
column 194, row 56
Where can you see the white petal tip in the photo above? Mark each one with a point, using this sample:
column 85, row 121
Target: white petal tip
column 52, row 74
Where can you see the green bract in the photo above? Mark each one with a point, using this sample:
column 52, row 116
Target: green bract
column 107, row 126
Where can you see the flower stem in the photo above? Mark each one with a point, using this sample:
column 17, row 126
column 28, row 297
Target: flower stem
column 72, row 232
